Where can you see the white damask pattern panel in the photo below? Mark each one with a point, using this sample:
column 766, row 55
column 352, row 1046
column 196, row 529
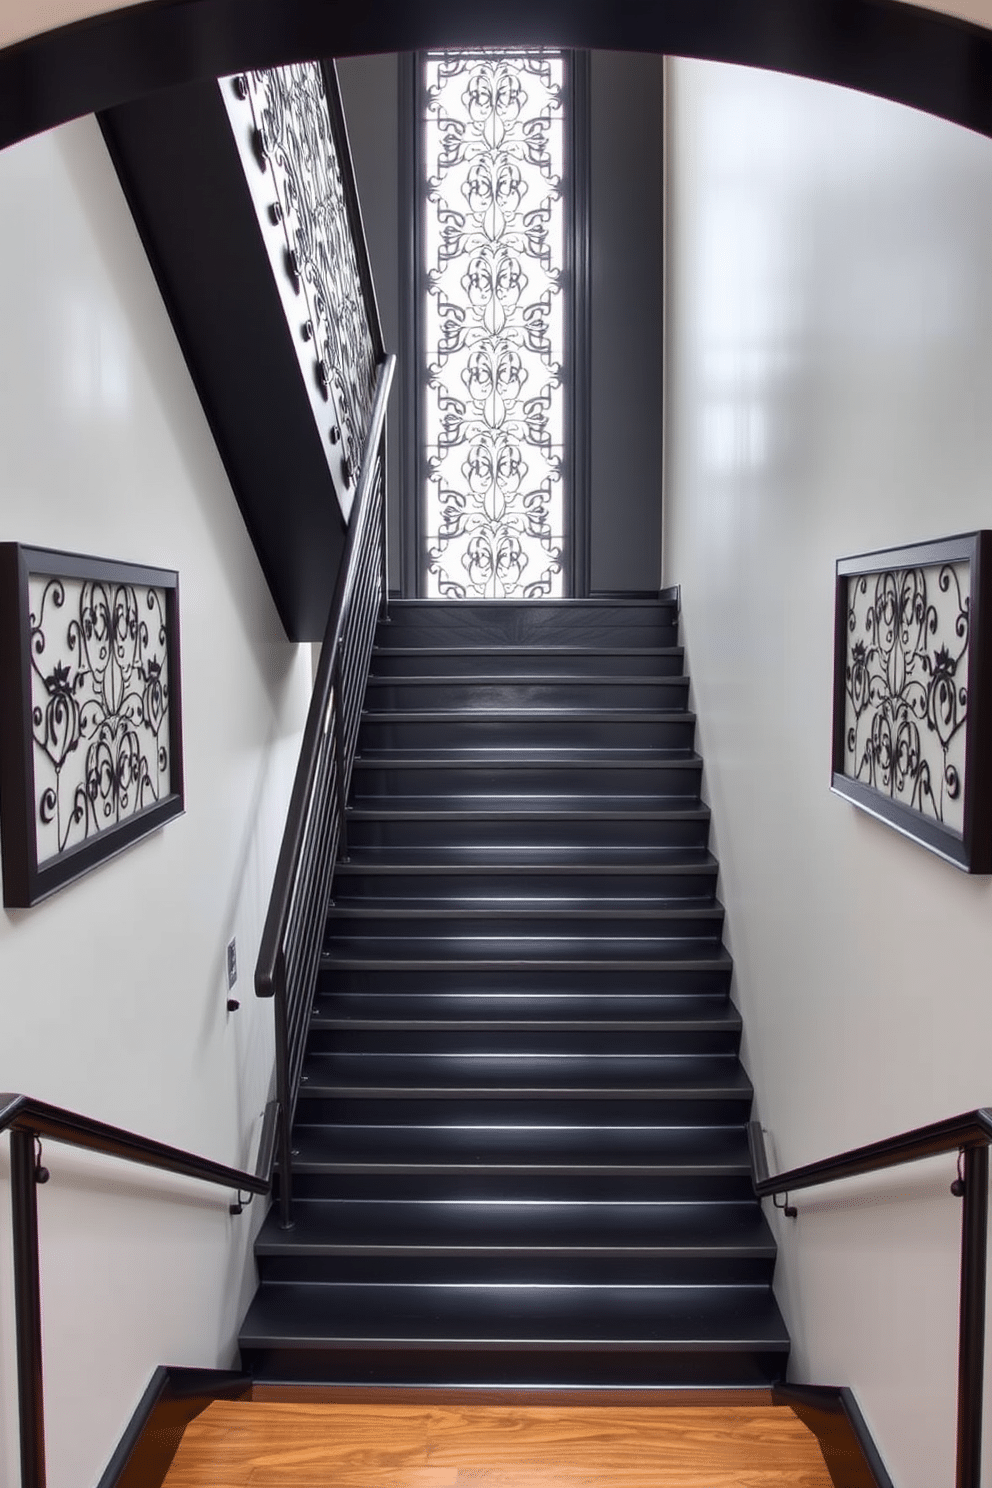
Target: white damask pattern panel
column 494, row 324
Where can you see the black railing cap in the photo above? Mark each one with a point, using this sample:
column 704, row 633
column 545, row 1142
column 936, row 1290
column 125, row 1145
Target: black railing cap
column 970, row 1129
column 24, row 1113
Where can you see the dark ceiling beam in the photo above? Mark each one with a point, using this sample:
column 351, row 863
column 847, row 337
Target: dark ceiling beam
column 895, row 50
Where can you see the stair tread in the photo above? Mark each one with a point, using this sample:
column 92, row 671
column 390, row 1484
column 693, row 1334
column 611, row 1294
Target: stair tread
column 522, row 1148
column 391, row 862
column 526, row 811
column 584, row 910
column 391, row 1226
column 526, row 650
column 522, row 1010
column 459, row 1315
column 528, row 758
column 651, row 1075
column 502, row 715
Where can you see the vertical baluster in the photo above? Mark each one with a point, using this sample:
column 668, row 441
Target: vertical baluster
column 341, row 783
column 383, row 529
column 284, row 1093
column 971, row 1348
column 27, row 1304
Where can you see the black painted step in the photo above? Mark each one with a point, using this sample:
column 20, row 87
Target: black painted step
column 703, row 975
column 575, row 623
column 502, row 922
column 490, row 1334
column 631, row 1012
column 718, row 1037
column 588, row 837
column 527, row 661
column 508, row 1149
column 483, row 775
column 448, row 733
column 494, row 692
column 373, row 873
column 541, row 1076
column 484, row 1240
column 452, row 1151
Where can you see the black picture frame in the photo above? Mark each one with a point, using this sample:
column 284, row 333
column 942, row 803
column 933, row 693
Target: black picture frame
column 112, row 786
column 918, row 689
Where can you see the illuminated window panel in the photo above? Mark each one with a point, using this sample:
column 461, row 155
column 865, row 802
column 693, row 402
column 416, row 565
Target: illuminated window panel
column 494, row 312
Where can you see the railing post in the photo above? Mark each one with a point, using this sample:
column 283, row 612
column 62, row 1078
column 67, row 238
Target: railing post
column 342, row 785
column 27, row 1306
column 971, row 1346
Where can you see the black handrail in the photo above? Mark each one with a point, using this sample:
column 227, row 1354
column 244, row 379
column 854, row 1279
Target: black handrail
column 315, row 833
column 969, row 1135
column 28, row 1121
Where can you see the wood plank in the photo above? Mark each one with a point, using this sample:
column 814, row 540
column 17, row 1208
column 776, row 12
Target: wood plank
column 612, row 1438
column 273, row 1444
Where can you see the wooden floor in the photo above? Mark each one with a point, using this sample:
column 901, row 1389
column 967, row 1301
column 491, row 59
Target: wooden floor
column 275, row 1444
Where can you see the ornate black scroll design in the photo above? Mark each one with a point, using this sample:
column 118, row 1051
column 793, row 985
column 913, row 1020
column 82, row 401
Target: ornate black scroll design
column 294, row 138
column 906, row 680
column 494, row 286
column 100, row 707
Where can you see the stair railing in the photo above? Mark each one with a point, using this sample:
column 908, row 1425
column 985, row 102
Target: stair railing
column 28, row 1121
column 969, row 1135
column 316, row 827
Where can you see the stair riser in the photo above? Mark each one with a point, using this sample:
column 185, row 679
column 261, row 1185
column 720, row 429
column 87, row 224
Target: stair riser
column 467, row 694
column 500, row 662
column 353, row 886
column 534, row 1269
column 399, row 733
column 515, row 1367
column 723, row 1041
column 532, row 834
column 540, row 1185
column 444, row 924
column 709, row 981
column 374, row 780
column 532, row 624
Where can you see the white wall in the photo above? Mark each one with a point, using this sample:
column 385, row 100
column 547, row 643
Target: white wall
column 829, row 377
column 113, row 992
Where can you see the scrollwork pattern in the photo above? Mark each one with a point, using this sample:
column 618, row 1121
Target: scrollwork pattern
column 99, row 706
column 295, row 142
column 494, row 235
column 906, row 682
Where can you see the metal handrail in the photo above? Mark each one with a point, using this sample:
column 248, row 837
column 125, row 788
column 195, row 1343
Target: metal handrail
column 29, row 1120
column 969, row 1135
column 315, row 833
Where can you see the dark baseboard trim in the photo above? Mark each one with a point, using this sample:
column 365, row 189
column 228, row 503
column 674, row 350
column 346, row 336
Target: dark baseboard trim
column 630, row 594
column 832, row 1414
column 174, row 1397
column 513, row 1395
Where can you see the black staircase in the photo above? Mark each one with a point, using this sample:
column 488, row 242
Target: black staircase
column 520, row 1151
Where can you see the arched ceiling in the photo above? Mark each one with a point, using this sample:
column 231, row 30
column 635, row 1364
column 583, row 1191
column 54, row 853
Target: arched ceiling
column 927, row 57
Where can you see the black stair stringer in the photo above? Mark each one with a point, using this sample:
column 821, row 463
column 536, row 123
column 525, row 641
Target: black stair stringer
column 521, row 1153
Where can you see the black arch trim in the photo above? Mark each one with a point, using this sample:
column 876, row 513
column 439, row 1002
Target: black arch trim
column 895, row 50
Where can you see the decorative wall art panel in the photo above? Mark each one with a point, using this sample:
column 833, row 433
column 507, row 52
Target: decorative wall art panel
column 90, row 746
column 284, row 131
column 911, row 693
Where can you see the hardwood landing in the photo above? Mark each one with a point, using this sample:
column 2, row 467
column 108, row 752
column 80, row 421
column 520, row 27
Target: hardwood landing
column 271, row 1443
